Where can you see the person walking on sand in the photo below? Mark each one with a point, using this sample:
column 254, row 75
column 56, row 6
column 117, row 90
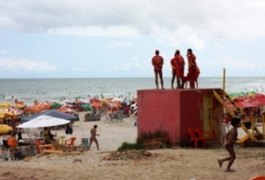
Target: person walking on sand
column 231, row 138
column 93, row 137
column 157, row 62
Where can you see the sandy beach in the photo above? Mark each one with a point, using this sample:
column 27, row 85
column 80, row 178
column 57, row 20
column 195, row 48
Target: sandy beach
column 174, row 163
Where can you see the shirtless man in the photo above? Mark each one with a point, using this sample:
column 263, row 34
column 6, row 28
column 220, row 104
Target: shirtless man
column 93, row 137
column 179, row 69
column 157, row 62
column 173, row 63
column 192, row 71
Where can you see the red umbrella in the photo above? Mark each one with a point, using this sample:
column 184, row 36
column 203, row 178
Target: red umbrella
column 260, row 99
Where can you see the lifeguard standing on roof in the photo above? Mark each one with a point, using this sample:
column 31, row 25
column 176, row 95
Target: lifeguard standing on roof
column 157, row 62
column 193, row 71
column 173, row 63
column 179, row 69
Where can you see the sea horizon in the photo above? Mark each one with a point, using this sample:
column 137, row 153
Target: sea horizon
column 123, row 77
column 57, row 89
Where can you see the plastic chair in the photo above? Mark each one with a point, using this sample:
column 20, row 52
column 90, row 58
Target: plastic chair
column 202, row 133
column 195, row 137
column 70, row 142
column 258, row 178
column 37, row 143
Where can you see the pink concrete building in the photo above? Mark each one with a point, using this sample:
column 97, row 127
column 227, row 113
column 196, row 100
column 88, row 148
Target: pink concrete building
column 175, row 110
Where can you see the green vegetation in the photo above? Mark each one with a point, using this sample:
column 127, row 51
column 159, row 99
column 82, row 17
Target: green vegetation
column 155, row 140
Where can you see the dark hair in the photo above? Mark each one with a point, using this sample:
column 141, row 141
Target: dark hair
column 189, row 50
column 235, row 121
column 95, row 126
column 157, row 51
column 177, row 52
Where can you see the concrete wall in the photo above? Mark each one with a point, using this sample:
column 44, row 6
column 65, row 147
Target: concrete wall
column 174, row 111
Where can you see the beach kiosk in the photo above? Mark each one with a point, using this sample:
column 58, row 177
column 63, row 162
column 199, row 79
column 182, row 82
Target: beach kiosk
column 175, row 110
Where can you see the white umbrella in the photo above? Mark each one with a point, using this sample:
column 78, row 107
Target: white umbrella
column 116, row 100
column 43, row 121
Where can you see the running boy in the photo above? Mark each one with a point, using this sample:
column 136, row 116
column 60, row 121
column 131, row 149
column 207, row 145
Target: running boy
column 231, row 138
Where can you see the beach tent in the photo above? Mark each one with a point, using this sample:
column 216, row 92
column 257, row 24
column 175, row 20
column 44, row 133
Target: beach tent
column 43, row 121
column 53, row 113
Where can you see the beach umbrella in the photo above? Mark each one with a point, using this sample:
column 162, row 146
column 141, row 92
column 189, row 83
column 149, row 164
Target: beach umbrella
column 52, row 113
column 10, row 112
column 96, row 104
column 56, row 105
column 246, row 103
column 86, row 107
column 38, row 107
column 5, row 129
column 67, row 109
column 43, row 121
column 116, row 99
column 260, row 99
column 4, row 104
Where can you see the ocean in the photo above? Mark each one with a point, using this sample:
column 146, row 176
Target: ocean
column 58, row 89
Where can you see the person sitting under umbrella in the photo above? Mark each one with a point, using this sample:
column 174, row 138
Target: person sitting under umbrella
column 48, row 136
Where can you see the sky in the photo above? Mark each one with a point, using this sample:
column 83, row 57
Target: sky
column 117, row 38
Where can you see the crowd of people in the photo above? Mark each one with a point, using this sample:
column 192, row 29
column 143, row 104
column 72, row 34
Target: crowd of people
column 178, row 67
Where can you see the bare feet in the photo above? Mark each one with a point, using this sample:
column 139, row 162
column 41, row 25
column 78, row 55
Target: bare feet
column 230, row 170
column 220, row 163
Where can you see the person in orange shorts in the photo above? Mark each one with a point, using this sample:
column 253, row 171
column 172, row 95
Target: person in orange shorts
column 157, row 62
column 12, row 141
column 12, row 144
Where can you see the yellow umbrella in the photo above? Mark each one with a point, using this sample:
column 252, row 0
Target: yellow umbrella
column 5, row 128
column 4, row 104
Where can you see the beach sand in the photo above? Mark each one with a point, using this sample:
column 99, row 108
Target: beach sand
column 174, row 163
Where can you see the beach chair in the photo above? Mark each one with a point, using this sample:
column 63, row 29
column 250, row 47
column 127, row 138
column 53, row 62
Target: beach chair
column 195, row 137
column 37, row 143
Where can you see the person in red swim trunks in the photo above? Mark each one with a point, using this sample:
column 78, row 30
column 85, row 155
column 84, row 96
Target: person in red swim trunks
column 193, row 70
column 157, row 62
column 179, row 69
column 173, row 63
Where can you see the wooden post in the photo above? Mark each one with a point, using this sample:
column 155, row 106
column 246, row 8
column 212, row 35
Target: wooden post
column 263, row 123
column 224, row 78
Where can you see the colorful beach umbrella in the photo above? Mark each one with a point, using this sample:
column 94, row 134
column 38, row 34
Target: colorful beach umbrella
column 5, row 129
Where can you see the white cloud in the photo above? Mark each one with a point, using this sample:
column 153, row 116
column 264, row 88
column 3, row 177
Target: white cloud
column 80, row 69
column 235, row 67
column 120, row 44
column 25, row 65
column 111, row 31
column 134, row 64
column 190, row 21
